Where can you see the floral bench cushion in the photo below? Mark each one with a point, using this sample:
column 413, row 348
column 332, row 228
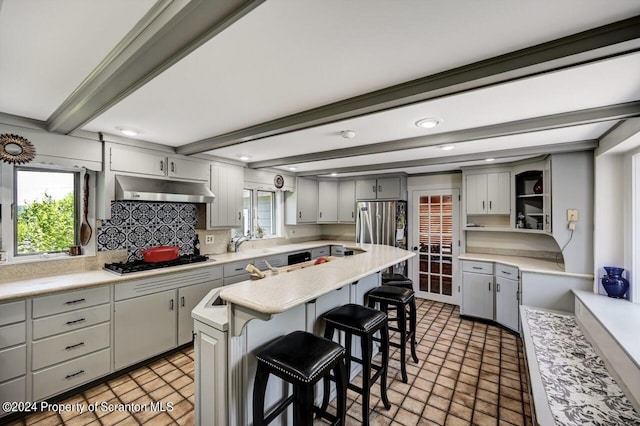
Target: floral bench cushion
column 578, row 387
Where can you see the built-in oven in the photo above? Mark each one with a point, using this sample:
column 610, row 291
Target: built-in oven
column 300, row 257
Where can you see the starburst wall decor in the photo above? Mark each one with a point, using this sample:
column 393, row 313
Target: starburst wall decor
column 15, row 149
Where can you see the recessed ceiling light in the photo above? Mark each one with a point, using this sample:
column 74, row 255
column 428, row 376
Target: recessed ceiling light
column 292, row 168
column 334, row 174
column 428, row 123
column 348, row 134
column 446, row 147
column 128, row 131
column 243, row 157
column 489, row 159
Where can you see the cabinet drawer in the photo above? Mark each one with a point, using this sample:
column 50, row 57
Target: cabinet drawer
column 506, row 271
column 275, row 261
column 14, row 334
column 13, row 312
column 236, row 268
column 13, row 391
column 62, row 323
column 70, row 301
column 477, row 267
column 65, row 376
column 13, row 362
column 66, row 346
column 320, row 251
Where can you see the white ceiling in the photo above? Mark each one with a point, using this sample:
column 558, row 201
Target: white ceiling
column 287, row 56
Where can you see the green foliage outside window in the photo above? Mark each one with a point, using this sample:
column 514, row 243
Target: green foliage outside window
column 47, row 225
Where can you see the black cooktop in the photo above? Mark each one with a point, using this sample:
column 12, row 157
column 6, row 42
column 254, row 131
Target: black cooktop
column 140, row 265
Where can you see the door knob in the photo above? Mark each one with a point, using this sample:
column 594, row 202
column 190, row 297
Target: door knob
column 415, row 248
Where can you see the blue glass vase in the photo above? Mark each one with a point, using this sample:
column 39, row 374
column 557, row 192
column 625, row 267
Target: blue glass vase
column 614, row 283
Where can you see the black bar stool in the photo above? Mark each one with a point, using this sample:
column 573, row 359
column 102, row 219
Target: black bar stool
column 301, row 359
column 397, row 280
column 400, row 299
column 357, row 320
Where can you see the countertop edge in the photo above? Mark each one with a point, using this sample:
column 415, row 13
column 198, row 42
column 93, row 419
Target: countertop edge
column 24, row 289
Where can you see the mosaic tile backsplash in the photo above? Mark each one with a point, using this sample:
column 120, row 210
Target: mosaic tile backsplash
column 135, row 226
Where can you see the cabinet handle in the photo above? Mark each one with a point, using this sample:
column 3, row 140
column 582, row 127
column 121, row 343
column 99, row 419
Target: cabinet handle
column 506, row 273
column 379, row 188
column 171, row 305
column 351, row 215
column 478, row 268
column 182, row 301
column 77, row 345
column 75, row 321
column 68, row 376
column 162, row 165
column 483, row 205
column 374, row 189
column 300, row 215
column 73, row 302
column 489, row 285
column 239, row 215
column 173, row 167
column 490, row 205
column 320, row 215
column 546, row 219
column 497, row 287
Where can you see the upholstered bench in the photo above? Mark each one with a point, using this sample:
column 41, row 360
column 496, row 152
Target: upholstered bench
column 568, row 381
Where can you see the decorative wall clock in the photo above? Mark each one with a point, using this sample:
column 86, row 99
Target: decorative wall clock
column 15, row 149
column 278, row 181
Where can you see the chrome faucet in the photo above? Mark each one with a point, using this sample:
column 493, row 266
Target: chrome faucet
column 237, row 243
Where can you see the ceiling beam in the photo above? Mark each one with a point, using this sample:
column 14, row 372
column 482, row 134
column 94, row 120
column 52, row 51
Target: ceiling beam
column 549, row 122
column 167, row 33
column 452, row 159
column 587, row 46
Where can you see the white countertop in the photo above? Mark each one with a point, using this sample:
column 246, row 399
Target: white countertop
column 619, row 317
column 525, row 264
column 40, row 286
column 284, row 291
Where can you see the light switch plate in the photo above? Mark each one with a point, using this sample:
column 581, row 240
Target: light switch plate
column 208, row 239
column 572, row 215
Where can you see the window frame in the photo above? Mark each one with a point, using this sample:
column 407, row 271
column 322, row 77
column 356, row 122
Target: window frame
column 77, row 177
column 276, row 210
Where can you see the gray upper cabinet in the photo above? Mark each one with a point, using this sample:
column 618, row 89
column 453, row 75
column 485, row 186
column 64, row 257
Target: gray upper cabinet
column 387, row 188
column 301, row 205
column 152, row 163
column 227, row 185
column 488, row 193
column 327, row 201
column 346, row 201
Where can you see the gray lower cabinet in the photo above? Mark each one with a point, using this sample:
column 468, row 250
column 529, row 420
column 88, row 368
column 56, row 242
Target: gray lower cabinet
column 153, row 315
column 210, row 381
column 508, row 296
column 477, row 289
column 144, row 326
column 13, row 353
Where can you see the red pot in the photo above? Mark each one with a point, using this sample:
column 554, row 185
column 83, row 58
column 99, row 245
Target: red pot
column 160, row 253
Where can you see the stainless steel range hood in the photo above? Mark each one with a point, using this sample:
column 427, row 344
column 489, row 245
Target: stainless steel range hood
column 146, row 189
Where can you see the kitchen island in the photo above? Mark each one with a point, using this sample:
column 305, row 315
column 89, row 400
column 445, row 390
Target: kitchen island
column 257, row 312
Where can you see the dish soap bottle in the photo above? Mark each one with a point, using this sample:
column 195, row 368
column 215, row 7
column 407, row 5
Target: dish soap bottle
column 196, row 246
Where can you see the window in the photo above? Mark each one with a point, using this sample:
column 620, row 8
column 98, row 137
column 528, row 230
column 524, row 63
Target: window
column 259, row 221
column 46, row 219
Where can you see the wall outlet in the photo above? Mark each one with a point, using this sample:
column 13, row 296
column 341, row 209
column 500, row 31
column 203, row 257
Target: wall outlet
column 208, row 239
column 572, row 215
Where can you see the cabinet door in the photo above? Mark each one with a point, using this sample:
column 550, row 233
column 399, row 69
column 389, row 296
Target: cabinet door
column 210, row 381
column 477, row 295
column 144, row 326
column 148, row 163
column 327, row 201
column 499, row 193
column 476, row 194
column 347, row 201
column 507, row 302
column 366, row 189
column 188, row 298
column 188, row 169
column 546, row 198
column 307, row 200
column 227, row 184
column 389, row 188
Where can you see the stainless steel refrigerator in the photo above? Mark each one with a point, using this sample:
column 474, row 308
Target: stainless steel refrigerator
column 383, row 222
